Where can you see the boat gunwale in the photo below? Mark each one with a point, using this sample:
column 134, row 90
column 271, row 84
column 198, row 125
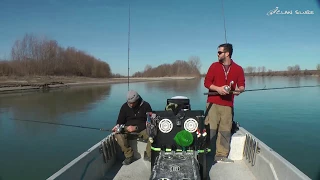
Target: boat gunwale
column 264, row 146
column 77, row 159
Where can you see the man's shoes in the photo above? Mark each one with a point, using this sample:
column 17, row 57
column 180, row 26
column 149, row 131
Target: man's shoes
column 223, row 160
column 146, row 157
column 127, row 161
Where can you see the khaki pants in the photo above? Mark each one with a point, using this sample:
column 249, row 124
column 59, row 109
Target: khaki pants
column 122, row 140
column 220, row 120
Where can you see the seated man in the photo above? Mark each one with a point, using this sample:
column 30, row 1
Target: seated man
column 133, row 115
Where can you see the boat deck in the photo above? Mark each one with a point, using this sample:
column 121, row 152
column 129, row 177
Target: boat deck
column 138, row 170
column 141, row 170
column 255, row 161
column 236, row 170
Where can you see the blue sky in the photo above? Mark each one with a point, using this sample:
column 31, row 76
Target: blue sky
column 163, row 31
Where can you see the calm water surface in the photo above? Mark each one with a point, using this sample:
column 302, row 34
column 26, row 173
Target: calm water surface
column 286, row 120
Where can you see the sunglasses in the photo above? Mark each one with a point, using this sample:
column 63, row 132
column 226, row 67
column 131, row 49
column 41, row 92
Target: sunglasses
column 220, row 52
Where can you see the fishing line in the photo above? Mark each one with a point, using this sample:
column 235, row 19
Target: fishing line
column 263, row 89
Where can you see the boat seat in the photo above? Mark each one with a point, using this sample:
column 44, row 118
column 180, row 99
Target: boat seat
column 135, row 137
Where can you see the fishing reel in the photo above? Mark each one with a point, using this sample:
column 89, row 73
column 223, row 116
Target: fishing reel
column 120, row 129
column 228, row 88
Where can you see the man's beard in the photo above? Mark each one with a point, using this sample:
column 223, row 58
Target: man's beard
column 221, row 59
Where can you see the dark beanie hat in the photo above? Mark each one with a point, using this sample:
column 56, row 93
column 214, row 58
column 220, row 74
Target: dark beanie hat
column 132, row 96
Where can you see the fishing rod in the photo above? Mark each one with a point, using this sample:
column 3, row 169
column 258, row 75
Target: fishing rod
column 262, row 89
column 128, row 46
column 119, row 129
column 61, row 124
column 224, row 22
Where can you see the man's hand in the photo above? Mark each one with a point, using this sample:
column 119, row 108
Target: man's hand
column 238, row 90
column 221, row 90
column 114, row 128
column 131, row 128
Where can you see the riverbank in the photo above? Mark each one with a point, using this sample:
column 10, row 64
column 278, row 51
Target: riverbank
column 292, row 73
column 14, row 84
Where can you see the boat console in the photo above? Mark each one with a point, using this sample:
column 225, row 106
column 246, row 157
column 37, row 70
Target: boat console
column 178, row 139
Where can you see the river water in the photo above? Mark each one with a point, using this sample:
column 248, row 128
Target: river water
column 286, row 120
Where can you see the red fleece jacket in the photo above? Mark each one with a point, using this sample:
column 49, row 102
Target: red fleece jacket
column 216, row 75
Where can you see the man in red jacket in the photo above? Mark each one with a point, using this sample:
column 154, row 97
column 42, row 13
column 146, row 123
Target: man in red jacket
column 223, row 73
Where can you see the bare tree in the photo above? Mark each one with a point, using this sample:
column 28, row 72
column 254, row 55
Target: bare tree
column 249, row 69
column 178, row 68
column 258, row 69
column 41, row 56
column 194, row 62
column 148, row 67
column 296, row 68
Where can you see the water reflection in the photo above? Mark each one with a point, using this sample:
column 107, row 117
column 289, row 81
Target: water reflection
column 261, row 80
column 50, row 106
column 294, row 81
column 250, row 81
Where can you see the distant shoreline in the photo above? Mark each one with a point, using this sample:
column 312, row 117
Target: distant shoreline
column 293, row 73
column 34, row 83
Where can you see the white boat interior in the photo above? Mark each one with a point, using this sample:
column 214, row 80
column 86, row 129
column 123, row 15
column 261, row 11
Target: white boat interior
column 250, row 162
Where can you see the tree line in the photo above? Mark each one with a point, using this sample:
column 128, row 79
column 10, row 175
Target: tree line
column 178, row 68
column 40, row 56
column 34, row 56
column 291, row 71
